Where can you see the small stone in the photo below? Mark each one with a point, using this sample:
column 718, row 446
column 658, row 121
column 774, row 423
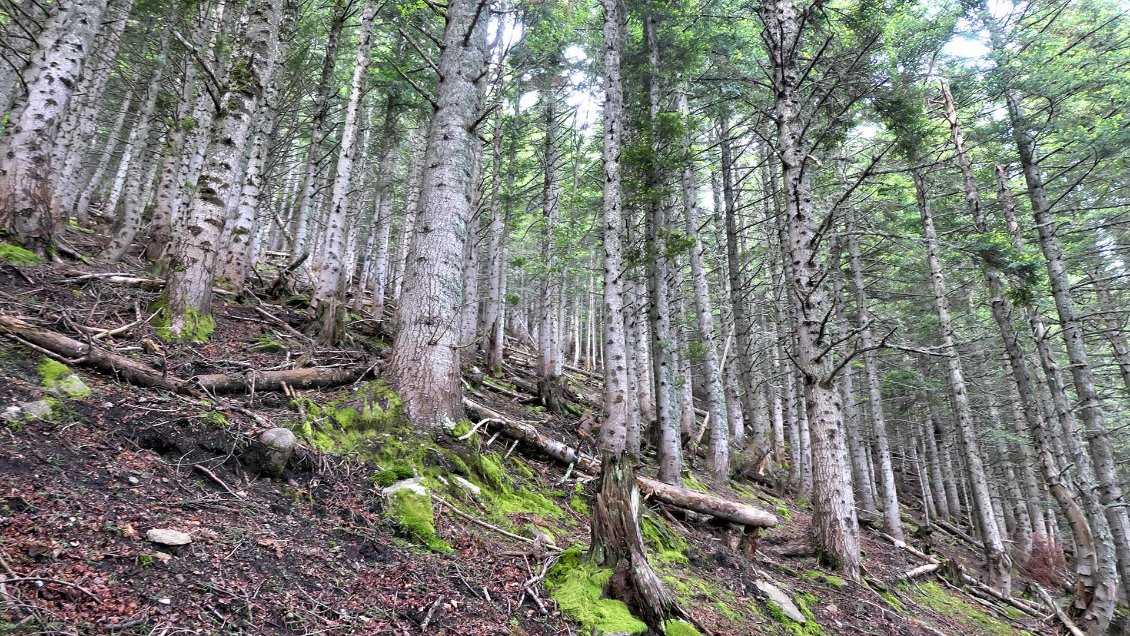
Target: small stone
column 165, row 536
column 165, row 601
column 781, row 600
column 163, row 557
column 107, row 405
column 133, row 480
column 10, row 414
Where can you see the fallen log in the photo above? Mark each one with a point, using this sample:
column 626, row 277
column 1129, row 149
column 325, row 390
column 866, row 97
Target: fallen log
column 72, row 351
column 724, row 510
column 308, row 378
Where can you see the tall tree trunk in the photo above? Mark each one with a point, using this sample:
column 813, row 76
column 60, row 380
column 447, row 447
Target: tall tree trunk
column 425, row 356
column 834, row 521
column 26, row 182
column 549, row 363
column 386, row 176
column 318, row 124
column 83, row 119
column 494, row 327
column 999, row 564
column 669, row 447
column 329, row 290
column 187, row 312
column 892, row 523
column 1090, row 408
column 718, row 452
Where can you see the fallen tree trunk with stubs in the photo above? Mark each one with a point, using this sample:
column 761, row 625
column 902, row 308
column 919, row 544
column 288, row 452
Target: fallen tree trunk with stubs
column 307, row 378
column 724, row 510
column 72, row 351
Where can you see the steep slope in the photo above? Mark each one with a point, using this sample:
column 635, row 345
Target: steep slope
column 90, row 465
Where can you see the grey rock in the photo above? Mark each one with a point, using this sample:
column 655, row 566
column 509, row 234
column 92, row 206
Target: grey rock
column 39, row 409
column 466, row 485
column 781, row 600
column 10, row 414
column 270, row 452
column 416, row 485
column 169, row 537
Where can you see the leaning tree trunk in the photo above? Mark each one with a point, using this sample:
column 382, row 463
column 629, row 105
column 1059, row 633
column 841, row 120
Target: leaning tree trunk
column 426, row 355
column 187, row 310
column 1096, row 579
column 26, row 183
column 493, row 326
column 999, row 564
column 329, row 289
column 1090, row 406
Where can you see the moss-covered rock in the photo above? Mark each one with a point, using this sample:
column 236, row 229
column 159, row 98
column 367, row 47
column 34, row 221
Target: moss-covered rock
column 578, row 587
column 17, row 255
column 410, row 510
column 58, row 379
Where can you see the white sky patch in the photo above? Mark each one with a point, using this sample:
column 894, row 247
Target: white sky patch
column 966, row 47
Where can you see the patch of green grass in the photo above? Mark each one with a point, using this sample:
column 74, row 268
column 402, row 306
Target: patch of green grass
column 578, row 587
column 17, row 255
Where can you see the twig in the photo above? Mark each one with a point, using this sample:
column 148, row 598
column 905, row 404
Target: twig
column 428, row 616
column 27, row 579
column 216, row 479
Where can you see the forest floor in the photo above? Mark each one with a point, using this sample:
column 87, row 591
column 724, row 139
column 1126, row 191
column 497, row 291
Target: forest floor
column 316, row 551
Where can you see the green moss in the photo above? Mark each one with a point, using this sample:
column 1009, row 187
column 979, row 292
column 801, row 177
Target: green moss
column 266, row 344
column 691, row 482
column 783, row 512
column 215, row 419
column 580, row 505
column 679, row 628
column 59, row 379
column 893, row 601
column 830, row 579
column 488, row 467
column 361, row 422
column 578, row 587
column 808, row 628
column 936, row 598
column 415, row 520
column 668, row 545
column 393, row 474
column 461, row 428
column 17, row 255
column 198, row 325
